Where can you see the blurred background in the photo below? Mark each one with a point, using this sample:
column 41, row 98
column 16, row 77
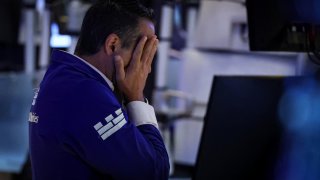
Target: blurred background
column 235, row 83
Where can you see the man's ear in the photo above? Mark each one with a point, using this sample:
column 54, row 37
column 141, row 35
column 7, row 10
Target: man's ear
column 112, row 44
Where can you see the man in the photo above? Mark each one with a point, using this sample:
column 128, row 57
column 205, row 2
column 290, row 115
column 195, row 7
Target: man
column 89, row 118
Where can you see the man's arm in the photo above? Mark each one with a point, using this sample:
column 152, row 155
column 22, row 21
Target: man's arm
column 114, row 142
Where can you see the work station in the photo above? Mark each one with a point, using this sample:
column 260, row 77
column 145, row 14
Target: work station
column 230, row 89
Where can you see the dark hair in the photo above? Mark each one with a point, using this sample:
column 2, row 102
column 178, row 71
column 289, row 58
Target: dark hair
column 111, row 16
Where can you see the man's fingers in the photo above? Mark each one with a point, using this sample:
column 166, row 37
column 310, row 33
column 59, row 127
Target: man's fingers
column 138, row 52
column 153, row 52
column 120, row 72
column 148, row 49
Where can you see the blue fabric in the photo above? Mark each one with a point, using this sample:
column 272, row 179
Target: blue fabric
column 64, row 142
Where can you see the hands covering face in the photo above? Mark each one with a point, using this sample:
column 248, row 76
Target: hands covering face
column 131, row 81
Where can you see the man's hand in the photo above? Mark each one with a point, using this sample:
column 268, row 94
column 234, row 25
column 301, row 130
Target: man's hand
column 131, row 81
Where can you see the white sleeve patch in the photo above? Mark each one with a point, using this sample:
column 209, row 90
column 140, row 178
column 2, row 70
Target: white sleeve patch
column 112, row 126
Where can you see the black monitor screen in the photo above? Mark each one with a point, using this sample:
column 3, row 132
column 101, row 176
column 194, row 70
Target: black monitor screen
column 261, row 128
column 241, row 132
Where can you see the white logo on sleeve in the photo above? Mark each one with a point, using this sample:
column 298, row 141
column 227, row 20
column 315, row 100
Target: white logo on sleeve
column 36, row 92
column 33, row 118
column 112, row 126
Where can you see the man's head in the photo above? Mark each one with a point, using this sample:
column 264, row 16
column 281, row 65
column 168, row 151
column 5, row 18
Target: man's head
column 121, row 18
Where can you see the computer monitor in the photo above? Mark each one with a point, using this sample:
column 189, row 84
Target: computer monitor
column 242, row 133
column 284, row 25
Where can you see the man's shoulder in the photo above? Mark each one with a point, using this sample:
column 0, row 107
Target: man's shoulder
column 66, row 76
column 68, row 70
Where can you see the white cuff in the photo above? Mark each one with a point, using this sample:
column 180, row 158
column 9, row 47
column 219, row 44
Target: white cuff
column 141, row 113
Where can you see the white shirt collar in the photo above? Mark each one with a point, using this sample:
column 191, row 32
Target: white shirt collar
column 97, row 70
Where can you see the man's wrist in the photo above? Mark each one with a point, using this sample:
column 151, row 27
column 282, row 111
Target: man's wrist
column 136, row 98
column 143, row 99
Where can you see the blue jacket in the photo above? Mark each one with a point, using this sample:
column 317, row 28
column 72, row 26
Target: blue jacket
column 78, row 129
